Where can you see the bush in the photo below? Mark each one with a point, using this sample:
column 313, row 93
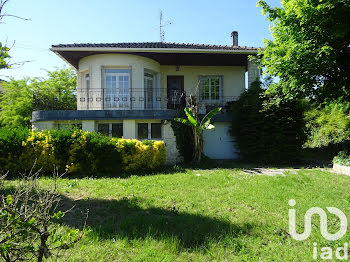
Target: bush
column 77, row 152
column 139, row 155
column 184, row 137
column 267, row 131
column 11, row 147
column 28, row 223
column 93, row 153
column 342, row 159
column 329, row 125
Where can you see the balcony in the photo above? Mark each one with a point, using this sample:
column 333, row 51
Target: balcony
column 120, row 99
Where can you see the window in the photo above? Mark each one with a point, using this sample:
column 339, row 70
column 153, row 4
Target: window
column 117, row 130
column 211, row 88
column 156, row 131
column 103, row 129
column 117, row 88
column 142, row 131
column 148, row 86
column 111, row 129
column 149, row 131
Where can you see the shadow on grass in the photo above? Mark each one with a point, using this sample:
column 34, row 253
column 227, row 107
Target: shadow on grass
column 126, row 219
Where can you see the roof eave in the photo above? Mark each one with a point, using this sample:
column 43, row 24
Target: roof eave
column 153, row 50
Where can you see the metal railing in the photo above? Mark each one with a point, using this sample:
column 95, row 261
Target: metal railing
column 54, row 100
column 120, row 99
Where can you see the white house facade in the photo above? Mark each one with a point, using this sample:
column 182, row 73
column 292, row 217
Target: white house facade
column 133, row 90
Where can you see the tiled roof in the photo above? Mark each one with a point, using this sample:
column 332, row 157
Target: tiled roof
column 156, row 45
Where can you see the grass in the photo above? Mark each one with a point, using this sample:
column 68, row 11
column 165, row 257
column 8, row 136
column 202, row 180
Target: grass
column 200, row 215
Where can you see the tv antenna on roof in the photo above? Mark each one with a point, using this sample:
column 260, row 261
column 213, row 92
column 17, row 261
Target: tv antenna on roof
column 161, row 26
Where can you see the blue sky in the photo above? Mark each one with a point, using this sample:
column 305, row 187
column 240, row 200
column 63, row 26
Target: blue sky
column 83, row 21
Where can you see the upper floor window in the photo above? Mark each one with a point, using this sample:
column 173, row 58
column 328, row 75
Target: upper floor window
column 87, row 81
column 117, row 88
column 149, row 92
column 210, row 88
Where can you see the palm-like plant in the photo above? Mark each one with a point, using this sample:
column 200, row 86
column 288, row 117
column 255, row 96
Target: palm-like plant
column 198, row 127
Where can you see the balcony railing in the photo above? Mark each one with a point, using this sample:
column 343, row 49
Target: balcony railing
column 119, row 99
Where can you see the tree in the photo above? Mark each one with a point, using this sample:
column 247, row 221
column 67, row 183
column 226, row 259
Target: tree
column 328, row 126
column 28, row 222
column 265, row 131
column 310, row 51
column 16, row 104
column 4, row 55
column 198, row 126
column 17, row 101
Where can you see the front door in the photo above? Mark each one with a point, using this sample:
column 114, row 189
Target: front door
column 175, row 89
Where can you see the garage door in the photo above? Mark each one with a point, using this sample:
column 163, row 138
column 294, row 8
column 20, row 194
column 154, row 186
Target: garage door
column 218, row 144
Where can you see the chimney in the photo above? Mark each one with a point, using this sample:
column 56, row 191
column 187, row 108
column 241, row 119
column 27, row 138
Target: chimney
column 234, row 38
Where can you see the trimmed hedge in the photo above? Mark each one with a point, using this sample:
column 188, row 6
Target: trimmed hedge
column 77, row 152
column 266, row 131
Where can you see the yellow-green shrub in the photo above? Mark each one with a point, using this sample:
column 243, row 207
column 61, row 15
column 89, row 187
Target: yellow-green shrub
column 137, row 155
column 78, row 152
column 38, row 147
column 93, row 153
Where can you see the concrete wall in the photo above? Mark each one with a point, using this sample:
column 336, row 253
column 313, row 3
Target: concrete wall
column 233, row 76
column 43, row 125
column 49, row 125
column 137, row 64
column 95, row 64
column 88, row 125
column 172, row 154
column 129, row 129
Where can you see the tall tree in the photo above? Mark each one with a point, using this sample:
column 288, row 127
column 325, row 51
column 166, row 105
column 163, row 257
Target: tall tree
column 17, row 101
column 4, row 55
column 309, row 51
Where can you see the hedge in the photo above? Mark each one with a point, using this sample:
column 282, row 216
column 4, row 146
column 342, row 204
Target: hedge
column 267, row 132
column 77, row 152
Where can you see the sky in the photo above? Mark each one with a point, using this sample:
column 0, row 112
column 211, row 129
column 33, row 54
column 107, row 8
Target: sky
column 113, row 21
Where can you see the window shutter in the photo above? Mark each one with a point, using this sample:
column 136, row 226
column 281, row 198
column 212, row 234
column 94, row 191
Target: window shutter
column 102, row 77
column 200, row 88
column 90, row 76
column 221, row 98
column 102, row 85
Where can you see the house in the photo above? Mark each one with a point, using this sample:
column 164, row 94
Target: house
column 134, row 89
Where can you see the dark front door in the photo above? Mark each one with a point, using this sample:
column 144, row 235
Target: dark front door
column 175, row 90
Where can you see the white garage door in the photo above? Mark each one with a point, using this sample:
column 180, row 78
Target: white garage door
column 218, row 144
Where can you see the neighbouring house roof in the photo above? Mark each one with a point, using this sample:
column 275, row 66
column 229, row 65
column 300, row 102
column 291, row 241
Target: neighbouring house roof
column 162, row 52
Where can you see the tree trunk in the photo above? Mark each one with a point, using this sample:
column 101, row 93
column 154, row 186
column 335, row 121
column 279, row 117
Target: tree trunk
column 198, row 145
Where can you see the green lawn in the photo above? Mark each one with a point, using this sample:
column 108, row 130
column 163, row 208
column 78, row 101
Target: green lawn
column 200, row 215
